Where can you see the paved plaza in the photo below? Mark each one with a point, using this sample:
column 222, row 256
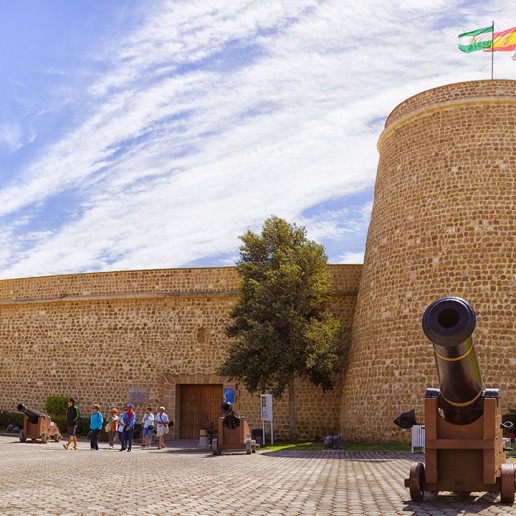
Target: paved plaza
column 46, row 479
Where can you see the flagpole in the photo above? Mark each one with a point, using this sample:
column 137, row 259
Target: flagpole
column 492, row 53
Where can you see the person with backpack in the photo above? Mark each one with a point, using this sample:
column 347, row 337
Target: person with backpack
column 72, row 420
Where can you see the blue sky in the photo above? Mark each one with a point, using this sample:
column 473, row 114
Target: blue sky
column 147, row 134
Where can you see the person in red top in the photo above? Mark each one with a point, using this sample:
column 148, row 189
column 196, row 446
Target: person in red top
column 128, row 420
column 113, row 423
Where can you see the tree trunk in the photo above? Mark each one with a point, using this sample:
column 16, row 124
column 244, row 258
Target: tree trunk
column 292, row 410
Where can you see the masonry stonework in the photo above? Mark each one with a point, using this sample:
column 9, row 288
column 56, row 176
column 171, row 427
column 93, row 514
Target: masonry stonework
column 443, row 223
column 109, row 337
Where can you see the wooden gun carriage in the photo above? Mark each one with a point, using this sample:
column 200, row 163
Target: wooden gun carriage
column 37, row 426
column 464, row 448
column 233, row 432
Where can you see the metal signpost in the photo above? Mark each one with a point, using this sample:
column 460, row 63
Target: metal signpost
column 266, row 405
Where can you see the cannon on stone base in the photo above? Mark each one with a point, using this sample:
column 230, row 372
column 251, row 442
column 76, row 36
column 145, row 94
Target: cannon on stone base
column 37, row 426
column 464, row 449
column 233, row 432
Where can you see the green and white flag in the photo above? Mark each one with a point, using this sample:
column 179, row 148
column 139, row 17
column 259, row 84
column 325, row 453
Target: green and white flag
column 476, row 39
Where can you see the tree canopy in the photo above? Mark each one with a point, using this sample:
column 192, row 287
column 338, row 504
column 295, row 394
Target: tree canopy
column 280, row 324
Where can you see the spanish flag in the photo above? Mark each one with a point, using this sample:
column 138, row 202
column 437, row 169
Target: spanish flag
column 504, row 41
column 479, row 39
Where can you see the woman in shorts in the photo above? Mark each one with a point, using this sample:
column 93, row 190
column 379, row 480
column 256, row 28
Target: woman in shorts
column 148, row 427
column 161, row 422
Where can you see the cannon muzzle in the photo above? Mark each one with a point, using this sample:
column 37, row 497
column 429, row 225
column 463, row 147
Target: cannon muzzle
column 32, row 414
column 449, row 323
column 231, row 418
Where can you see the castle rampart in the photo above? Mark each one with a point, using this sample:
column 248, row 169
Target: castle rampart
column 144, row 336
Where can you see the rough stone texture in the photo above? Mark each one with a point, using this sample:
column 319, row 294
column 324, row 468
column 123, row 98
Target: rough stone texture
column 107, row 337
column 443, row 223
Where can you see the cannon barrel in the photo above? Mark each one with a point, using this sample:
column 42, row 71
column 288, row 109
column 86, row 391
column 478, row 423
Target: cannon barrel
column 32, row 414
column 231, row 418
column 449, row 323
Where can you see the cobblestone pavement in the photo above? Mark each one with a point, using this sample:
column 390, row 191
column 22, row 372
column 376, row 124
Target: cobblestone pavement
column 46, row 479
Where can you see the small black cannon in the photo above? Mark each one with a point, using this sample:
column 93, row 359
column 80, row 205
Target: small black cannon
column 231, row 418
column 37, row 426
column 233, row 432
column 463, row 423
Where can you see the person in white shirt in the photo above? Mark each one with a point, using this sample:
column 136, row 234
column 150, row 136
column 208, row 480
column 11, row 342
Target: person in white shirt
column 161, row 422
column 148, row 427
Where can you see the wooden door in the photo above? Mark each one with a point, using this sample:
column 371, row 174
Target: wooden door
column 199, row 406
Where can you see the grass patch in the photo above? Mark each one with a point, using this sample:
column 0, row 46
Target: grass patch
column 319, row 445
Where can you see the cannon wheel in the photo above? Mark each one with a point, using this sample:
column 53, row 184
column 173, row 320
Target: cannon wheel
column 57, row 437
column 44, row 437
column 23, row 438
column 248, row 446
column 507, row 483
column 417, row 481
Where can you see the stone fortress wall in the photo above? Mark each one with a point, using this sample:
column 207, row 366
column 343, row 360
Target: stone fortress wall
column 443, row 223
column 109, row 337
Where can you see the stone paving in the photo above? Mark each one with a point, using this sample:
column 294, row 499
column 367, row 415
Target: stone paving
column 39, row 479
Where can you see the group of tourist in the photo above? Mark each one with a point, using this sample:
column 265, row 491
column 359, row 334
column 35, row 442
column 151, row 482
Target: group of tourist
column 118, row 426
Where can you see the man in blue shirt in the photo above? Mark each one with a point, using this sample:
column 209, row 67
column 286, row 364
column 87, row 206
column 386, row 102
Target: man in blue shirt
column 128, row 420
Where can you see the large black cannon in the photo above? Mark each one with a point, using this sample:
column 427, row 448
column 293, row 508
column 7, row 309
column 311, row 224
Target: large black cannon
column 233, row 432
column 37, row 426
column 463, row 423
column 449, row 323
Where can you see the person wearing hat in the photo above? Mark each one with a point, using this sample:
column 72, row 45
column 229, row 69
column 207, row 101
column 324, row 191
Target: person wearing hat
column 96, row 421
column 161, row 421
column 128, row 420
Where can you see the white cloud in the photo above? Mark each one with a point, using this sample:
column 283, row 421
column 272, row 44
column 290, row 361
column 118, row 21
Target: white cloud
column 351, row 258
column 10, row 137
column 208, row 119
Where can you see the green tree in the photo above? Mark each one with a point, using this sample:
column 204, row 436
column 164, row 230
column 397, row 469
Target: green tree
column 280, row 324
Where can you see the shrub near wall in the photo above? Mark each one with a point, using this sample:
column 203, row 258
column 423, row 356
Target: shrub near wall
column 10, row 418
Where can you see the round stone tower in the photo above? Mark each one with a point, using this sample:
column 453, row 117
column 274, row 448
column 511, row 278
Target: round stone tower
column 443, row 223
